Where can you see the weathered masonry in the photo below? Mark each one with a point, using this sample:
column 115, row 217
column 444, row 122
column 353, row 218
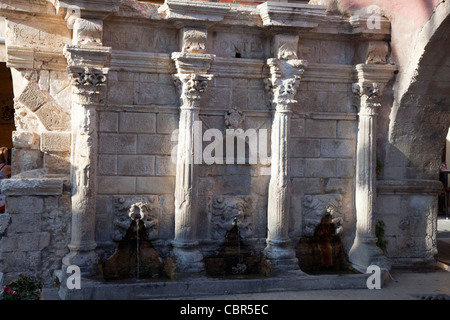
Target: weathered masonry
column 107, row 95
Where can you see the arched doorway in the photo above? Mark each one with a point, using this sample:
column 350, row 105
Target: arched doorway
column 408, row 186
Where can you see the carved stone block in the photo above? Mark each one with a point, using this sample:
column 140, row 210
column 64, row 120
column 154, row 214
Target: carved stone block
column 126, row 209
column 318, row 206
column 55, row 141
column 234, row 118
column 32, row 97
column 53, row 117
column 223, row 211
column 194, row 40
column 88, row 32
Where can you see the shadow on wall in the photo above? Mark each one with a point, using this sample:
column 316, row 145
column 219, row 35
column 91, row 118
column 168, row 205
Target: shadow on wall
column 6, row 107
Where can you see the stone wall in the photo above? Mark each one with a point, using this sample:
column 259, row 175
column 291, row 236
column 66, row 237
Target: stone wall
column 323, row 149
column 413, row 127
column 104, row 130
column 35, row 230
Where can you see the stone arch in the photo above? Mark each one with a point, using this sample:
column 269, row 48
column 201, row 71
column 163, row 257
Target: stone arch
column 420, row 116
column 42, row 137
column 410, row 147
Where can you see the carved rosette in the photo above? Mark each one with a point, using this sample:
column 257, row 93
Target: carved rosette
column 190, row 87
column 234, row 118
column 284, row 81
column 316, row 207
column 368, row 96
column 223, row 211
column 142, row 208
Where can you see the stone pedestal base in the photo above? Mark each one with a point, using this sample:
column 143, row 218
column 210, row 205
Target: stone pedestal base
column 365, row 253
column 85, row 260
column 187, row 257
column 281, row 256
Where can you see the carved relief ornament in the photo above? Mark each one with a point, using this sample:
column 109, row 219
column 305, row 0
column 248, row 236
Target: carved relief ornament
column 194, row 41
column 234, row 118
column 190, row 86
column 316, row 207
column 284, row 80
column 127, row 209
column 223, row 211
column 368, row 96
column 86, row 76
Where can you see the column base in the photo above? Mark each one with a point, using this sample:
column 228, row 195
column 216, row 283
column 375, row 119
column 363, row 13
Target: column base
column 87, row 261
column 187, row 257
column 281, row 256
column 365, row 252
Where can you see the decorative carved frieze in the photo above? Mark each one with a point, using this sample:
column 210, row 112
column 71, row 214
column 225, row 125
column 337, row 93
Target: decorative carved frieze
column 316, row 207
column 223, row 211
column 127, row 209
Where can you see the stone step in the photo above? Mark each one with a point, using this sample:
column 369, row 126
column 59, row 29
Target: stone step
column 201, row 285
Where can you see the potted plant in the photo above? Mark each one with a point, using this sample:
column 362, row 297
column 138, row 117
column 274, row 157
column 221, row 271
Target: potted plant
column 24, row 288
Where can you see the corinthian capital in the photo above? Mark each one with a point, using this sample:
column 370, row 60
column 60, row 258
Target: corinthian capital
column 87, row 84
column 284, row 81
column 368, row 96
column 190, row 87
column 372, row 78
column 192, row 76
column 85, row 76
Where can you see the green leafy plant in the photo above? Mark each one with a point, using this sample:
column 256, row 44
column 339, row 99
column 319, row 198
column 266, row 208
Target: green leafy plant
column 379, row 233
column 24, row 288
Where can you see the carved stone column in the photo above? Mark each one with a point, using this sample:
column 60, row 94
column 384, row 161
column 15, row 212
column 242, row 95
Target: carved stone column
column 87, row 82
column 285, row 72
column 368, row 90
column 191, row 80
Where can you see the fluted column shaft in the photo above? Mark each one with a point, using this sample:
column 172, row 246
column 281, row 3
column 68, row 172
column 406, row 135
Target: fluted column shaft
column 87, row 84
column 285, row 78
column 191, row 81
column 368, row 91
